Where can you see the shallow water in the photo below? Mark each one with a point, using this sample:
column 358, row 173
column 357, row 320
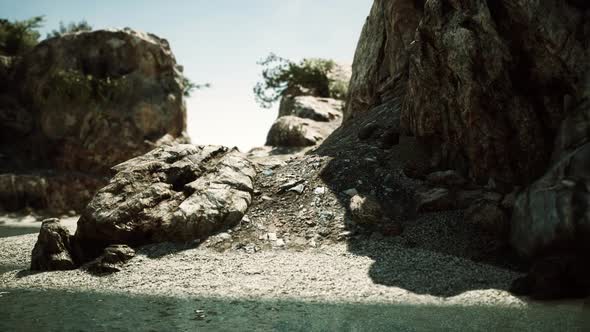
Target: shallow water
column 50, row 310
column 11, row 230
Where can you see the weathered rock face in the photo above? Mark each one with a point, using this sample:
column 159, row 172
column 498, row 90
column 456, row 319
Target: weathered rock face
column 53, row 248
column 381, row 57
column 488, row 82
column 292, row 131
column 175, row 193
column 304, row 121
column 15, row 121
column 503, row 82
column 499, row 90
column 553, row 214
column 313, row 108
column 99, row 98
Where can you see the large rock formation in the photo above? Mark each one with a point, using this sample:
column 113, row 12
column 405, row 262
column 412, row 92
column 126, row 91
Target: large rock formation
column 488, row 82
column 82, row 103
column 486, row 86
column 175, row 193
column 98, row 98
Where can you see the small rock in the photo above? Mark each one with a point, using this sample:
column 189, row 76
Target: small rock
column 319, row 190
column 351, row 192
column 280, row 243
column 344, row 235
column 271, row 236
column 112, row 259
column 365, row 210
column 224, row 236
column 290, row 184
column 268, row 172
column 299, row 189
column 436, row 199
column 266, row 198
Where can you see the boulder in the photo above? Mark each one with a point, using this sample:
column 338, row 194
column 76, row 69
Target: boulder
column 365, row 210
column 101, row 97
column 173, row 193
column 53, row 248
column 292, row 131
column 309, row 107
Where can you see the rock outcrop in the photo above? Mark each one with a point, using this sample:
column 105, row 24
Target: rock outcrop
column 306, row 118
column 175, row 193
column 98, row 98
column 304, row 121
column 53, row 248
column 487, row 82
column 81, row 103
column 498, row 91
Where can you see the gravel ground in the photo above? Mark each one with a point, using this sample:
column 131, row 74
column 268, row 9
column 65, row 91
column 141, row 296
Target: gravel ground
column 389, row 286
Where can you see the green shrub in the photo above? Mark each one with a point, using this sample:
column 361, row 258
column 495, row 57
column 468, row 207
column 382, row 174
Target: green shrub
column 19, row 37
column 72, row 84
column 72, row 27
column 310, row 77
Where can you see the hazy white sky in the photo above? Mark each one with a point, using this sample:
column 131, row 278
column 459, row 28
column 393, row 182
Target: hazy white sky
column 219, row 42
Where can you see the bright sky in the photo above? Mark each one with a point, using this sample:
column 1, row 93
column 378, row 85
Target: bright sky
column 219, row 42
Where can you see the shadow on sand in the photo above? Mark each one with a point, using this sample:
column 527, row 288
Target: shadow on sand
column 437, row 253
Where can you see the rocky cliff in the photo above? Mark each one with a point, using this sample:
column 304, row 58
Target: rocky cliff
column 81, row 103
column 498, row 91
